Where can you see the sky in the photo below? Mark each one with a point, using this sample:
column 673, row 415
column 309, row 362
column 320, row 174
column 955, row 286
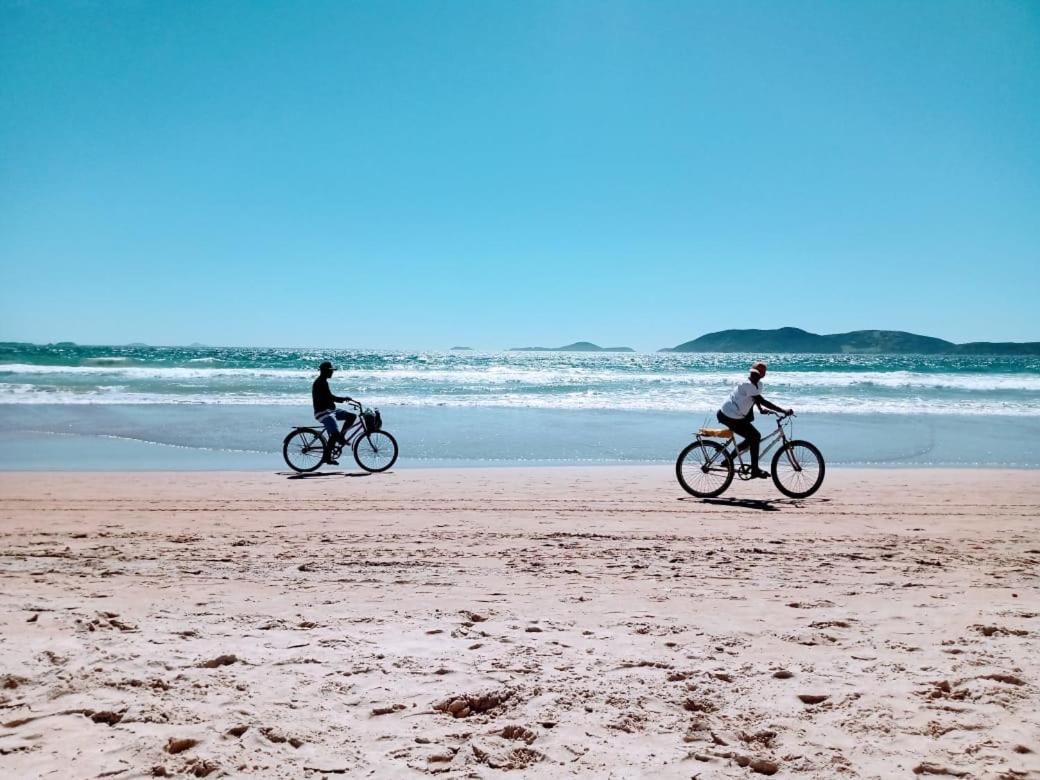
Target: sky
column 499, row 174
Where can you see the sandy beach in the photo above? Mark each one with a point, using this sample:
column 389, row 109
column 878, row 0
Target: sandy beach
column 525, row 622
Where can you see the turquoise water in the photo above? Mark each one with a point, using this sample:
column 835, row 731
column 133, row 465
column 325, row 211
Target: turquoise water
column 840, row 384
column 67, row 406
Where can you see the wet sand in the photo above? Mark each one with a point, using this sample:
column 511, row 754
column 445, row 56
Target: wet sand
column 518, row 622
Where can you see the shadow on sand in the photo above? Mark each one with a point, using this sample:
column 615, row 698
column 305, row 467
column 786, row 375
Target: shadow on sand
column 761, row 504
column 314, row 474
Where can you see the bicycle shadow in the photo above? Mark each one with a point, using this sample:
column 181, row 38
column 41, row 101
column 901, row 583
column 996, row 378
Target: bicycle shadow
column 761, row 504
column 318, row 474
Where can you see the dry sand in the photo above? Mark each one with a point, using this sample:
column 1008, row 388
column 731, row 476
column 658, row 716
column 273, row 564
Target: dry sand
column 579, row 622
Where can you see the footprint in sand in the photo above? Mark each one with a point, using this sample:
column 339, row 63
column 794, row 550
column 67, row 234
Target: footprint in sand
column 926, row 768
column 387, row 710
column 220, row 660
column 175, row 746
column 519, row 733
column 999, row 631
column 487, row 751
column 107, row 717
column 11, row 681
column 202, row 767
column 275, row 736
column 812, row 698
column 464, row 705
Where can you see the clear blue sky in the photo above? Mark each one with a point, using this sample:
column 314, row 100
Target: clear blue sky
column 425, row 174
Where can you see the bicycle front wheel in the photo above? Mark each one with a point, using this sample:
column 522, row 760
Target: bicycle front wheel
column 704, row 469
column 375, row 451
column 304, row 450
column 798, row 469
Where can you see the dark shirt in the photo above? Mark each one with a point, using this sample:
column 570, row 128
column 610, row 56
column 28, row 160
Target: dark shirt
column 322, row 396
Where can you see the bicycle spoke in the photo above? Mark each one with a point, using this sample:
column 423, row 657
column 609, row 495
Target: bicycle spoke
column 793, row 459
column 375, row 451
column 304, row 451
column 798, row 469
column 704, row 469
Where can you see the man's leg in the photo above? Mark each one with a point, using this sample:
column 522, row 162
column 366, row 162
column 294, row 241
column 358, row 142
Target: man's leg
column 754, row 441
column 349, row 417
column 329, row 423
column 752, row 438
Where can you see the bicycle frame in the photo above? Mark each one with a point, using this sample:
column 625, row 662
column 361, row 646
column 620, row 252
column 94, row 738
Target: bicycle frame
column 374, row 449
column 352, row 430
column 766, row 446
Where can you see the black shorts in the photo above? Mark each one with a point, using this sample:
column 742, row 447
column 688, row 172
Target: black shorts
column 733, row 423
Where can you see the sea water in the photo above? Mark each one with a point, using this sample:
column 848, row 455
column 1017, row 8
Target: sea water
column 70, row 406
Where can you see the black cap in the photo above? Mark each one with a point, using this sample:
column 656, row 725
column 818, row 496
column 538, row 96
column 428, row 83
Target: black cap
column 326, row 364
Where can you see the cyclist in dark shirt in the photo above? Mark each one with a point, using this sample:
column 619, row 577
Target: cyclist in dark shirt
column 325, row 410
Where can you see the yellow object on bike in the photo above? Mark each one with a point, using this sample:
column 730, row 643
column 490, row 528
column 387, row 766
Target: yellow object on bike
column 716, row 433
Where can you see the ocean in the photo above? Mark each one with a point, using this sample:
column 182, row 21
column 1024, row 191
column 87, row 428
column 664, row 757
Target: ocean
column 71, row 406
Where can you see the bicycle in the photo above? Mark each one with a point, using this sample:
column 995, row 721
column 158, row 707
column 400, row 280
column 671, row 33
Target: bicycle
column 706, row 468
column 375, row 450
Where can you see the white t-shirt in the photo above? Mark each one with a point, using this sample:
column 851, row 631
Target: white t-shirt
column 741, row 399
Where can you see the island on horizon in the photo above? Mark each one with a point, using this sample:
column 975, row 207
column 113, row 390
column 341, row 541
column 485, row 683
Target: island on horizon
column 577, row 346
column 870, row 342
column 461, row 349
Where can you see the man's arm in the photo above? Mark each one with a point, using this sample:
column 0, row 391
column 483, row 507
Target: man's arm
column 770, row 405
column 341, row 398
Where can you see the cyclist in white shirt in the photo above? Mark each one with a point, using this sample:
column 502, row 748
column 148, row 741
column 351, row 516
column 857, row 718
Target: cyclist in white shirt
column 737, row 413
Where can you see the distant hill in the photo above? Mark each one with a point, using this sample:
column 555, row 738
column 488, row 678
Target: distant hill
column 577, row 346
column 462, row 349
column 881, row 342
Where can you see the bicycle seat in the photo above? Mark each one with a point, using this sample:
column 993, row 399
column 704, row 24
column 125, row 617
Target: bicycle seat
column 716, row 433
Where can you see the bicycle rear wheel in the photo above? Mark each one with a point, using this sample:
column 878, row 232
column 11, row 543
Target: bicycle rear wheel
column 704, row 469
column 304, row 450
column 375, row 451
column 798, row 469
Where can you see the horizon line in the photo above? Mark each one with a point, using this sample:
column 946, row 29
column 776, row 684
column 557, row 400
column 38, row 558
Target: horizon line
column 460, row 348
